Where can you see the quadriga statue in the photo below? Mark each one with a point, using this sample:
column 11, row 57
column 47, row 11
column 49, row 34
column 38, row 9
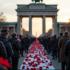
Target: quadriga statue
column 37, row 1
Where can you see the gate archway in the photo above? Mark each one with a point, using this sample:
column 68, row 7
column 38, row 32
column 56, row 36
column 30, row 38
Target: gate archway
column 37, row 10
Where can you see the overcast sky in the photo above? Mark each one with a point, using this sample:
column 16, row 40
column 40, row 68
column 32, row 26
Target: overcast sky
column 9, row 6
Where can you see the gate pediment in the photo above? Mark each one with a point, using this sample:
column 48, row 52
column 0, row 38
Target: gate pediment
column 36, row 7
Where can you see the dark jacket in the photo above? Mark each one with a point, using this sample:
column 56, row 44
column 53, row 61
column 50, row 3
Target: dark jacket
column 3, row 52
column 15, row 46
column 67, row 51
column 8, row 46
column 61, row 46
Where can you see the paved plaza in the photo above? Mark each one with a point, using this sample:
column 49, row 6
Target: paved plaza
column 56, row 64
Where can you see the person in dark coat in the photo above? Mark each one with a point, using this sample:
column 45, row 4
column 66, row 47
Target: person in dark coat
column 58, row 49
column 22, row 49
column 7, row 44
column 67, row 54
column 16, row 48
column 54, row 46
column 61, row 43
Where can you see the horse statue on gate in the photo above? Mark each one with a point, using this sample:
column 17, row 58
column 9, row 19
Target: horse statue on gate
column 37, row 1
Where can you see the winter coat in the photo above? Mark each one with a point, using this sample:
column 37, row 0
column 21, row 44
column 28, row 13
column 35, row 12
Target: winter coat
column 15, row 46
column 61, row 47
column 67, row 51
column 8, row 47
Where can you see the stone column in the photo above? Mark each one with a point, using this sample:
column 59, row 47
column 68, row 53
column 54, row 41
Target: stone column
column 19, row 25
column 30, row 25
column 43, row 25
column 55, row 28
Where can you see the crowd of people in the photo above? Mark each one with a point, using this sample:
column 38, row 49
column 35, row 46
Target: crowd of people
column 12, row 47
column 59, row 48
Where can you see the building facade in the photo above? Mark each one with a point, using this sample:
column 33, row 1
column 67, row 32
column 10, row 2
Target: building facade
column 64, row 27
column 10, row 26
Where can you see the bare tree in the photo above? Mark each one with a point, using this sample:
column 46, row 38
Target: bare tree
column 2, row 17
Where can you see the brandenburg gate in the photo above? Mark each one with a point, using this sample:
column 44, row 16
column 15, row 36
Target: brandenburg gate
column 37, row 10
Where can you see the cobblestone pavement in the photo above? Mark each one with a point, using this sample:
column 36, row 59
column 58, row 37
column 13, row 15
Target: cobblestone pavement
column 55, row 63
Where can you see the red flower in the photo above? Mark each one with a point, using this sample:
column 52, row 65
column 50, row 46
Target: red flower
column 40, row 68
column 50, row 64
column 33, row 68
column 46, row 66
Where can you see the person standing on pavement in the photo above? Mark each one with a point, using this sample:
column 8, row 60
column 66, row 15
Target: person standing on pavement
column 67, row 54
column 16, row 49
column 7, row 44
column 61, row 43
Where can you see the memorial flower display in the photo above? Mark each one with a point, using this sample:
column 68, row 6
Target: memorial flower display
column 36, row 59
